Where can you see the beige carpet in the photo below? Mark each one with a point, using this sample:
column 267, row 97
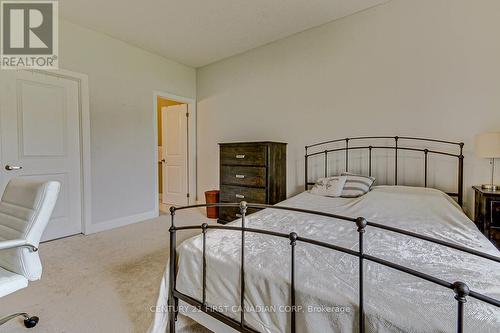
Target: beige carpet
column 104, row 282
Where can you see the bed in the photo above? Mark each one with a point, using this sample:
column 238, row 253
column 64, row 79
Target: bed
column 413, row 251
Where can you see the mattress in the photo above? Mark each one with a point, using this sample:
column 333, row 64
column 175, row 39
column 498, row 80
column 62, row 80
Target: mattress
column 327, row 281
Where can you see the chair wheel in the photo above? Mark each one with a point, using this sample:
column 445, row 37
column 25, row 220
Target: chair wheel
column 31, row 321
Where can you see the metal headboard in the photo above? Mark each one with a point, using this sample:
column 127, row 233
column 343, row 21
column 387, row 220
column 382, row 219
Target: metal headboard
column 457, row 146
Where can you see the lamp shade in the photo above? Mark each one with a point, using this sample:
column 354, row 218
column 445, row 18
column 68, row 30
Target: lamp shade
column 488, row 145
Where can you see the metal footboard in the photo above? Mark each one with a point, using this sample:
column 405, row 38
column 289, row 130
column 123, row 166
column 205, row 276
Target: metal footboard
column 460, row 289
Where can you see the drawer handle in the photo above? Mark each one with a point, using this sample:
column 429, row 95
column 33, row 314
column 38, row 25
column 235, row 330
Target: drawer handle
column 240, row 156
column 238, row 215
column 240, row 176
column 240, row 196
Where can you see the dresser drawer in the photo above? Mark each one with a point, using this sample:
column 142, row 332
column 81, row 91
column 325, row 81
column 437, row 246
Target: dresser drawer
column 243, row 175
column 243, row 155
column 230, row 193
column 229, row 214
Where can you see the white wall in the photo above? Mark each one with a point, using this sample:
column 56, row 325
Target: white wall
column 426, row 68
column 122, row 79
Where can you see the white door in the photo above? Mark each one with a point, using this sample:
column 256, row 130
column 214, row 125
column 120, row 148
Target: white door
column 174, row 135
column 40, row 135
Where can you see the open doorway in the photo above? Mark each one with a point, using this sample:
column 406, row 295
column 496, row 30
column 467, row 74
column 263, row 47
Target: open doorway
column 173, row 148
column 172, row 153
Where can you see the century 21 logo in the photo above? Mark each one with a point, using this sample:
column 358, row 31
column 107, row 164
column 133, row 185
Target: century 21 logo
column 27, row 27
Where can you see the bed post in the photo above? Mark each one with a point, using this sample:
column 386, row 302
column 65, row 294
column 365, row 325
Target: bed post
column 204, row 228
column 305, row 171
column 461, row 292
column 293, row 241
column 461, row 176
column 243, row 211
column 346, row 154
column 426, row 159
column 326, row 163
column 396, row 138
column 361, row 223
column 172, row 301
column 370, row 148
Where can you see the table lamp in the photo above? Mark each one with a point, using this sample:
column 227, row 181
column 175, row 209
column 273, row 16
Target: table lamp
column 488, row 146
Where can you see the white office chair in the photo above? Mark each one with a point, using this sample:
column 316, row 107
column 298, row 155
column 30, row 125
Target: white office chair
column 25, row 210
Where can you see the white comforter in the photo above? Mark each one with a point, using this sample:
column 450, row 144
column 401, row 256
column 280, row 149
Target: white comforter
column 327, row 281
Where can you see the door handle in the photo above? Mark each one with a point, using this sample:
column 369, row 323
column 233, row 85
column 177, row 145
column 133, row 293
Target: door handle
column 12, row 167
column 240, row 176
column 240, row 196
column 163, row 161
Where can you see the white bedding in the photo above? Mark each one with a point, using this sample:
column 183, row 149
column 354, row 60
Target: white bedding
column 394, row 301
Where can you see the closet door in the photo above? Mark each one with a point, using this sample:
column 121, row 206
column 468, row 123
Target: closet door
column 40, row 139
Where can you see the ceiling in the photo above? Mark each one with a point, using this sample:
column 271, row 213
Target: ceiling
column 199, row 32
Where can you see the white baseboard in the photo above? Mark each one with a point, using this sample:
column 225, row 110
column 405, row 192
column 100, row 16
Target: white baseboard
column 120, row 222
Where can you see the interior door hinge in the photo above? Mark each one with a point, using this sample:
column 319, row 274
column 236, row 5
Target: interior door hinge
column 187, row 114
column 187, row 195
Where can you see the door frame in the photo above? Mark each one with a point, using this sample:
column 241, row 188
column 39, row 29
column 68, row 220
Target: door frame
column 82, row 81
column 191, row 145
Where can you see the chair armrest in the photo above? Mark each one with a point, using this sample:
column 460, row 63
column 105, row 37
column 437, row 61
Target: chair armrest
column 13, row 243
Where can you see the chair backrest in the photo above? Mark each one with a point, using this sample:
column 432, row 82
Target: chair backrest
column 25, row 210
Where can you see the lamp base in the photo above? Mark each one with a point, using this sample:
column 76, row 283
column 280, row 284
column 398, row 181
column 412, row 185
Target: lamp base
column 490, row 187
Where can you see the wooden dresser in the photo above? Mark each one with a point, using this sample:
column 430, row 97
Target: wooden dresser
column 251, row 171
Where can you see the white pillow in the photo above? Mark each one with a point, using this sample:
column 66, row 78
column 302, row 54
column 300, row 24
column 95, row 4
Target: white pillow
column 329, row 186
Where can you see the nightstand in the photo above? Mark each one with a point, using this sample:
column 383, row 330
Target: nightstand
column 487, row 213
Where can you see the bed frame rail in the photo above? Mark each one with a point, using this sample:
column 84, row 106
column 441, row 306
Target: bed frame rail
column 460, row 290
column 456, row 151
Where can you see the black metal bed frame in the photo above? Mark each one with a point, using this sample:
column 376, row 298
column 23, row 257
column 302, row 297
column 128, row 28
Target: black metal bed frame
column 460, row 289
column 397, row 139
